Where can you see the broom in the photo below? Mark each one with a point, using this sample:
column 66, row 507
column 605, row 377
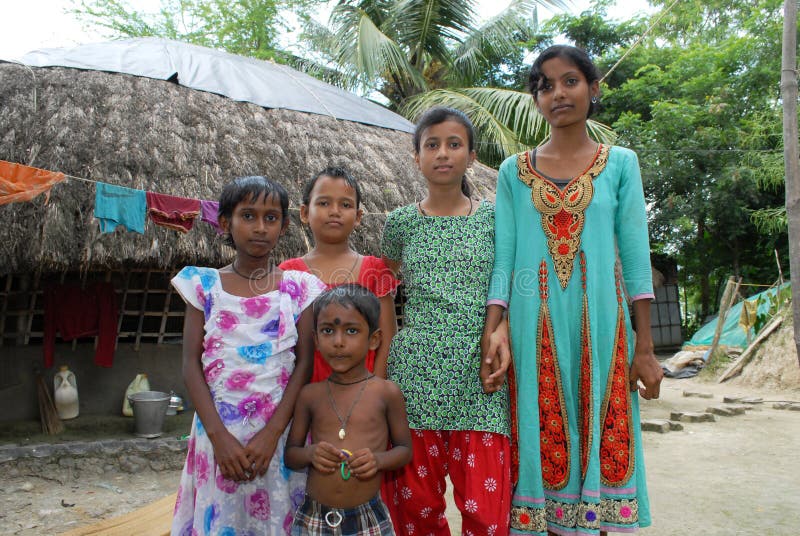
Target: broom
column 51, row 424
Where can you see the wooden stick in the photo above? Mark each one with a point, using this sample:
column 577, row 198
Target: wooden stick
column 731, row 290
column 51, row 423
column 737, row 366
column 780, row 270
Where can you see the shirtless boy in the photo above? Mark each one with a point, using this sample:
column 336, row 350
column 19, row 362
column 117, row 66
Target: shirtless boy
column 352, row 417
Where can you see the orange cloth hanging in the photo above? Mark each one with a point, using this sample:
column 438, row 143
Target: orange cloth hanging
column 23, row 183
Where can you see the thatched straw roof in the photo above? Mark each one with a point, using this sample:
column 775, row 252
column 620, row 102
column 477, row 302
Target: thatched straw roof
column 155, row 135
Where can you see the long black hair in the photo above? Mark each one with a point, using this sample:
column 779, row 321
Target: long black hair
column 574, row 55
column 438, row 115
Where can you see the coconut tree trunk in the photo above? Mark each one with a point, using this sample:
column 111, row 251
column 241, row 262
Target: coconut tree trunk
column 791, row 159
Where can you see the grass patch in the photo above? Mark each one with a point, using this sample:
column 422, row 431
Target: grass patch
column 717, row 363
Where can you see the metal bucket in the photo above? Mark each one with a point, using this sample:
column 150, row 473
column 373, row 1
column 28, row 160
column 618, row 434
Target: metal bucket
column 149, row 408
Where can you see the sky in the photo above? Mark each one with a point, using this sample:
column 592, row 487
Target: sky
column 33, row 24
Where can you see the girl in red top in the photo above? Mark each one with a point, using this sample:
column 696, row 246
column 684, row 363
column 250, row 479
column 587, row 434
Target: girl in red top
column 332, row 209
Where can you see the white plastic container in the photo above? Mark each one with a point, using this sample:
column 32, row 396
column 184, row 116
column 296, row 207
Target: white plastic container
column 140, row 383
column 65, row 393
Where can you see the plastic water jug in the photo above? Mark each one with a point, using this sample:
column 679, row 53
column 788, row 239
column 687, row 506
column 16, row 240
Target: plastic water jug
column 65, row 393
column 140, row 383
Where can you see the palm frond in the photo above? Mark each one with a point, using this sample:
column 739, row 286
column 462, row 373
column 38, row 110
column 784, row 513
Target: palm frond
column 319, row 37
column 428, row 26
column 601, row 133
column 498, row 36
column 506, row 121
column 515, row 109
column 363, row 48
column 323, row 71
column 377, row 10
column 495, row 140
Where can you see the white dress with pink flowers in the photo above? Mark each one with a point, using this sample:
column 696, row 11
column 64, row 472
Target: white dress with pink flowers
column 247, row 359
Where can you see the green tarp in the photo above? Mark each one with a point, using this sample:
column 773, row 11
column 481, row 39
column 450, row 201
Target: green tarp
column 733, row 335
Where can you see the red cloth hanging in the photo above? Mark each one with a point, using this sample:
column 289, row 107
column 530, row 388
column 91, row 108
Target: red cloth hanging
column 75, row 312
column 177, row 213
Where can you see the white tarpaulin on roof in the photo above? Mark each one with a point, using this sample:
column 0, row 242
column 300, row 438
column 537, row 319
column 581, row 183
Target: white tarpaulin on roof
column 239, row 78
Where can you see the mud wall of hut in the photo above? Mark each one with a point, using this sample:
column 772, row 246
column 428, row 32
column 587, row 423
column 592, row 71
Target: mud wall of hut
column 101, row 390
column 148, row 340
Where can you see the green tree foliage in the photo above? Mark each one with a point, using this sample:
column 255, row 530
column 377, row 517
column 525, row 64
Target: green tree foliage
column 419, row 53
column 245, row 27
column 592, row 31
column 700, row 104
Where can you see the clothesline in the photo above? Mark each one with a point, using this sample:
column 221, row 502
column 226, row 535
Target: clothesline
column 293, row 209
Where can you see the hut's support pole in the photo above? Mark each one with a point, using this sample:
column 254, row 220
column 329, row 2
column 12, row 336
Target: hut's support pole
column 165, row 315
column 122, row 306
column 35, row 291
column 142, row 310
column 4, row 308
column 24, row 287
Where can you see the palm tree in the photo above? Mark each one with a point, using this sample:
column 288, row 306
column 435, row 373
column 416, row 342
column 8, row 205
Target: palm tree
column 419, row 53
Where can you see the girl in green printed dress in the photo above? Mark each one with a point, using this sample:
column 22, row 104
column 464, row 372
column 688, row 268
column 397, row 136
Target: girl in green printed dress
column 444, row 248
column 565, row 210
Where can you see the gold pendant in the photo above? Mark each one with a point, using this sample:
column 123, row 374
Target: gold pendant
column 341, row 433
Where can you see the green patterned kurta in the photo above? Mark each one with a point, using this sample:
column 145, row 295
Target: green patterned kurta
column 435, row 358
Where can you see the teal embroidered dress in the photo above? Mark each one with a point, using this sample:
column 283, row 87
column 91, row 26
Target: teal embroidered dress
column 575, row 423
column 435, row 357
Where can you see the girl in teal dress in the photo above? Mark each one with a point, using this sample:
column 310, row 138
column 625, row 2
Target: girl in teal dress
column 564, row 213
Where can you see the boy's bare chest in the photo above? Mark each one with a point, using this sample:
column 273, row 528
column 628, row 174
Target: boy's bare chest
column 347, row 422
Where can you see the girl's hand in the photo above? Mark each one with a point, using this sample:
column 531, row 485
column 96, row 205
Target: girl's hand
column 326, row 458
column 646, row 369
column 260, row 450
column 363, row 464
column 231, row 457
column 495, row 358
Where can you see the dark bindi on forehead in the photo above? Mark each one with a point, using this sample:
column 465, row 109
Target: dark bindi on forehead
column 337, row 321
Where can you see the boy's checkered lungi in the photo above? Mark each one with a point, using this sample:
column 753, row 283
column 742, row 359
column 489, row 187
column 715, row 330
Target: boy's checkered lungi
column 368, row 519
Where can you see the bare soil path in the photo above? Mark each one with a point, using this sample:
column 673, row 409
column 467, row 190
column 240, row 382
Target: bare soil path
column 736, row 476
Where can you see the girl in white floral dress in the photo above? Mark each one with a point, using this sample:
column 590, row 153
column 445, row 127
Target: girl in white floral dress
column 247, row 351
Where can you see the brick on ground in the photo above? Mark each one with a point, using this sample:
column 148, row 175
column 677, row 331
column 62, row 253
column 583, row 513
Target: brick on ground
column 725, row 411
column 691, row 416
column 675, row 426
column 697, row 394
column 660, row 426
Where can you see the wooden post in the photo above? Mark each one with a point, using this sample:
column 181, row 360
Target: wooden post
column 737, row 366
column 728, row 297
column 790, row 155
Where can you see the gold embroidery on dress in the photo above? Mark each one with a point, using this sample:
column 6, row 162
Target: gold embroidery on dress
column 563, row 211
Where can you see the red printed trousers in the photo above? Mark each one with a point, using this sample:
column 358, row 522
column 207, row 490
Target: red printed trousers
column 478, row 464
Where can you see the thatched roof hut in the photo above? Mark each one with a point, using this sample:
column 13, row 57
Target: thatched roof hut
column 158, row 135
column 125, row 116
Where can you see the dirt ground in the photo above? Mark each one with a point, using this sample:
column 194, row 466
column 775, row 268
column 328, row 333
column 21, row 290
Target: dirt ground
column 735, row 476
